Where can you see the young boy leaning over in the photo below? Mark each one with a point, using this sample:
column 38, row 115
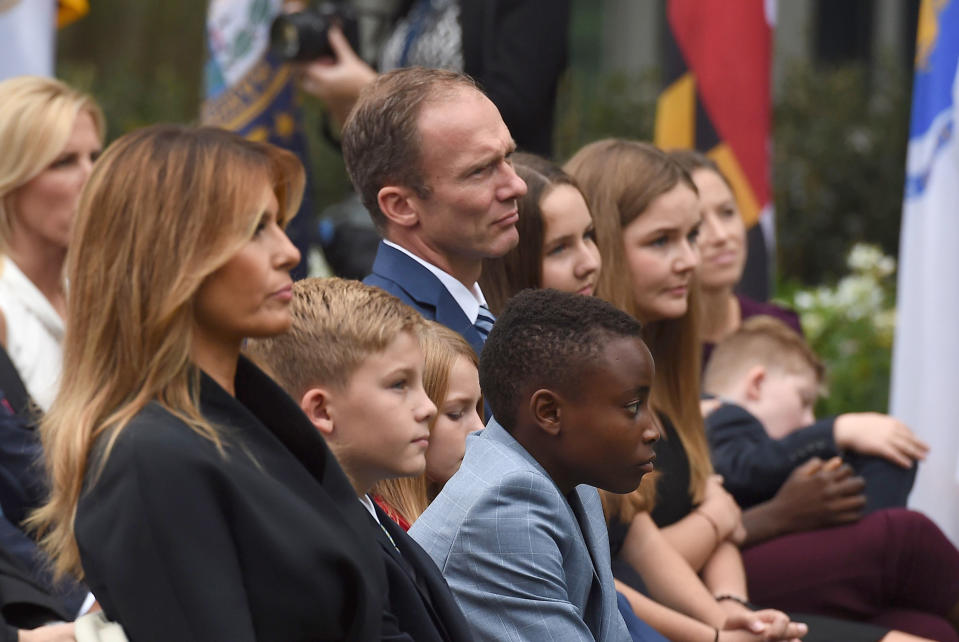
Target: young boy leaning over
column 519, row 531
column 352, row 360
column 769, row 379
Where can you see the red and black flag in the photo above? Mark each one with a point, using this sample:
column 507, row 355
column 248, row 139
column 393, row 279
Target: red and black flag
column 716, row 99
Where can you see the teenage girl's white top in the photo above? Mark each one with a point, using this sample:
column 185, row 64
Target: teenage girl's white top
column 34, row 333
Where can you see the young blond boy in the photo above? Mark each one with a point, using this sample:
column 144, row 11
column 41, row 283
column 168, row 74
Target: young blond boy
column 352, row 360
column 769, row 380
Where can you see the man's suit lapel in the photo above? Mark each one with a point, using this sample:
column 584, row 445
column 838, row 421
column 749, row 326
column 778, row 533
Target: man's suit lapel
column 426, row 291
column 397, row 544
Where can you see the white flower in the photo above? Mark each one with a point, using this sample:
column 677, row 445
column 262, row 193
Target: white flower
column 886, row 266
column 804, row 300
column 864, row 257
column 859, row 296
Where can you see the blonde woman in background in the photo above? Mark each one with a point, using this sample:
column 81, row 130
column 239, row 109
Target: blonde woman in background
column 50, row 135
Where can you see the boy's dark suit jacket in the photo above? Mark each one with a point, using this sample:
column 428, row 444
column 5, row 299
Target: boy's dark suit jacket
column 420, row 599
column 419, row 288
column 753, row 464
column 266, row 541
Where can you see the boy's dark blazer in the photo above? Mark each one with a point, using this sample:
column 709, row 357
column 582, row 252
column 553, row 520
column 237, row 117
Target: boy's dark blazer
column 753, row 464
column 420, row 599
column 419, row 288
column 264, row 542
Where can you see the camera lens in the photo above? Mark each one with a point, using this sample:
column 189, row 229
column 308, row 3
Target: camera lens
column 300, row 36
column 284, row 39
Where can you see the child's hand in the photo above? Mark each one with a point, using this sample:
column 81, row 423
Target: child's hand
column 708, row 406
column 819, row 494
column 872, row 433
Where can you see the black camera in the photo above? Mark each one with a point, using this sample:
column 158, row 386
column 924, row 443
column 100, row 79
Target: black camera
column 304, row 35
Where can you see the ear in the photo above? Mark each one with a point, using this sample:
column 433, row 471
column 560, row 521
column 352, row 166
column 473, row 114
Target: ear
column 753, row 385
column 545, row 408
column 398, row 204
column 316, row 404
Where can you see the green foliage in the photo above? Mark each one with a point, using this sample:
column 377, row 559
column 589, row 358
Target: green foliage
column 850, row 325
column 330, row 182
column 839, row 152
column 143, row 61
column 590, row 108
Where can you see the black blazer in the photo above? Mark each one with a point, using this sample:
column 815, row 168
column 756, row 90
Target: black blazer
column 517, row 50
column 753, row 464
column 414, row 285
column 266, row 541
column 421, row 601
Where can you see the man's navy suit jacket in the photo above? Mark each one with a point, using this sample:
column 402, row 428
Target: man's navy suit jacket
column 412, row 283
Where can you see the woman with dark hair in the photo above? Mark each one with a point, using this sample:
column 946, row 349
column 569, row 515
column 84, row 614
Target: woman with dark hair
column 188, row 489
column 650, row 203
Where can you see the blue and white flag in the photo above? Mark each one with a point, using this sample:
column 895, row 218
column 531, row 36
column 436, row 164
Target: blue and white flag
column 253, row 94
column 925, row 381
column 27, row 35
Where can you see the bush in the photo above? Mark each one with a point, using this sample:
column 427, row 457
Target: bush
column 838, row 165
column 850, row 325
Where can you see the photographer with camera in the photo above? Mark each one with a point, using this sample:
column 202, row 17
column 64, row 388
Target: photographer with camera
column 514, row 49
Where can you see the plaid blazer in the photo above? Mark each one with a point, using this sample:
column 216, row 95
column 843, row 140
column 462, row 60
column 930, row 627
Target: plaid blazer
column 523, row 562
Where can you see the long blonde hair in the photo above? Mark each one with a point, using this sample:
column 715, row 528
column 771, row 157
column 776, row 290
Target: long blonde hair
column 621, row 179
column 409, row 496
column 164, row 208
column 37, row 116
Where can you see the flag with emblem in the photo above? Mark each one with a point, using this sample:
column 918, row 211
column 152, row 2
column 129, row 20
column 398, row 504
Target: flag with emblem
column 28, row 34
column 716, row 99
column 926, row 350
column 250, row 92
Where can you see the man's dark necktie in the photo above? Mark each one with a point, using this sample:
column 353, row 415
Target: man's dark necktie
column 484, row 321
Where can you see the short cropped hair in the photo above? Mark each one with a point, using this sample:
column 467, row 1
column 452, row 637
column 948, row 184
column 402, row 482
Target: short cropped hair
column 409, row 496
column 761, row 340
column 381, row 135
column 543, row 339
column 337, row 324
